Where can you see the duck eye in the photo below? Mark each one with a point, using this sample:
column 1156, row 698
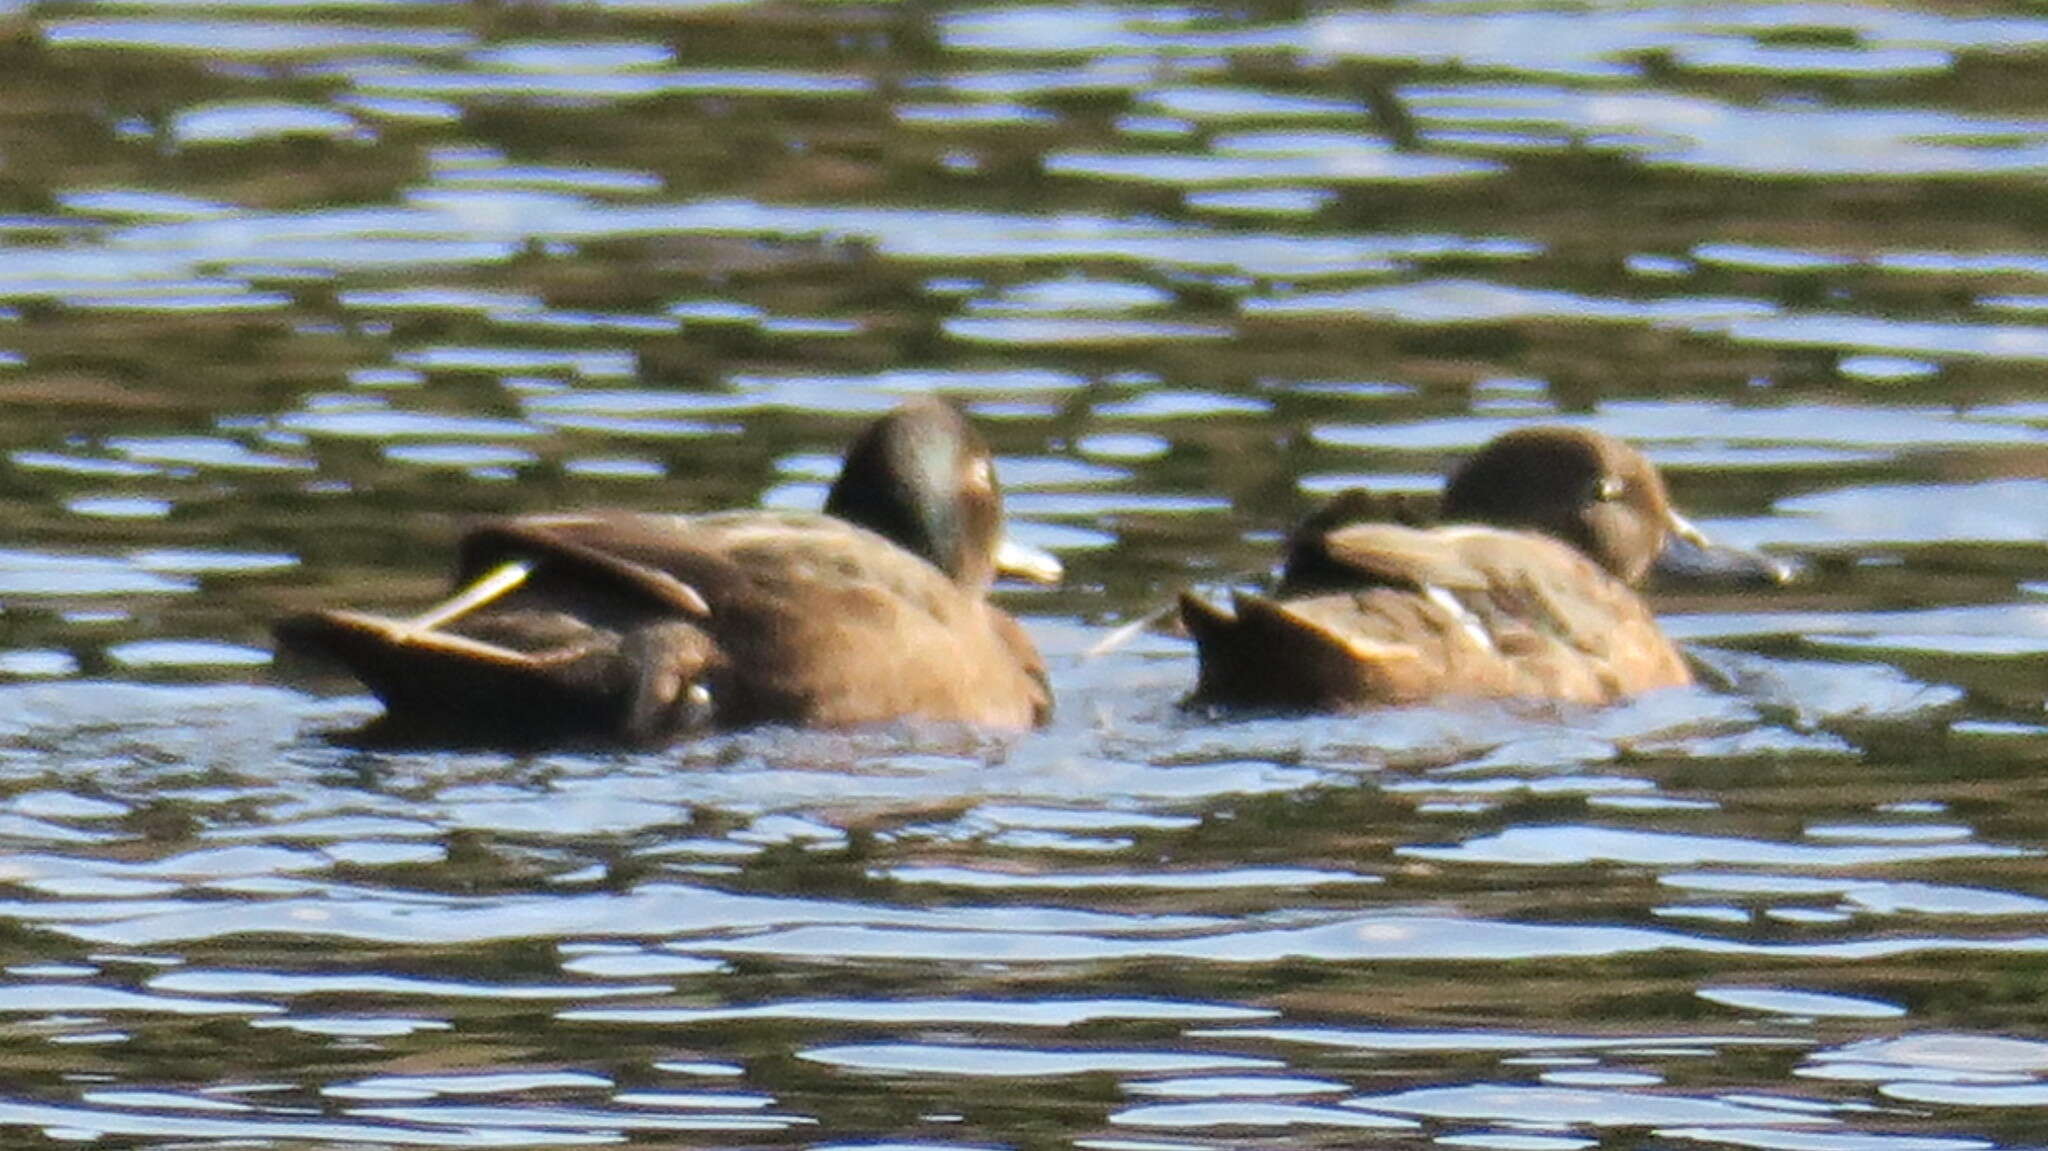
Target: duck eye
column 1610, row 488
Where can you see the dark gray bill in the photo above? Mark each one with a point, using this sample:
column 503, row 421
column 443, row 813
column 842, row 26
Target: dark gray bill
column 1689, row 557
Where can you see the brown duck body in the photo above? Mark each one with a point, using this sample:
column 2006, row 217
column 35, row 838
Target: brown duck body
column 639, row 628
column 1535, row 603
column 1466, row 611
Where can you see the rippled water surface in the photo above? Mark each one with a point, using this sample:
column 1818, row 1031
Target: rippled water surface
column 290, row 290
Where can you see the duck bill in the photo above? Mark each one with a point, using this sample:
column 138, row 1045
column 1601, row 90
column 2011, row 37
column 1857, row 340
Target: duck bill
column 1690, row 557
column 1022, row 561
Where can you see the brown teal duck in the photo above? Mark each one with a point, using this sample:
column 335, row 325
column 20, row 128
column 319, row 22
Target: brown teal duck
column 1529, row 593
column 628, row 627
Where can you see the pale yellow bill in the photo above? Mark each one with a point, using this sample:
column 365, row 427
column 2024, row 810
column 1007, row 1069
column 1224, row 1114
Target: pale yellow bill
column 1022, row 561
column 1690, row 555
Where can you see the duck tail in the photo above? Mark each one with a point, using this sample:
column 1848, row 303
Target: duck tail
column 1268, row 656
column 439, row 686
column 1233, row 667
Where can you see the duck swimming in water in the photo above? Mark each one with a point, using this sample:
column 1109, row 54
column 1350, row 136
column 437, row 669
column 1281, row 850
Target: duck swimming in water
column 1529, row 592
column 640, row 628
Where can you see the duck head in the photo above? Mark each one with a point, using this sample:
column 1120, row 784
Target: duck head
column 922, row 477
column 1601, row 496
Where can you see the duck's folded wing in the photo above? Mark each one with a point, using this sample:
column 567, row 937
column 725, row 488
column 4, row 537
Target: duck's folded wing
column 1363, row 556
column 1527, row 590
column 579, row 557
column 692, row 563
column 1540, row 605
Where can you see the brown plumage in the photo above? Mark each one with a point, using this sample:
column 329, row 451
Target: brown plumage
column 640, row 628
column 1529, row 594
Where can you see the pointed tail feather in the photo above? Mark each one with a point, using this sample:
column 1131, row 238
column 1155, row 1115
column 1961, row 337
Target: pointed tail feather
column 437, row 681
column 1267, row 655
column 1230, row 669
